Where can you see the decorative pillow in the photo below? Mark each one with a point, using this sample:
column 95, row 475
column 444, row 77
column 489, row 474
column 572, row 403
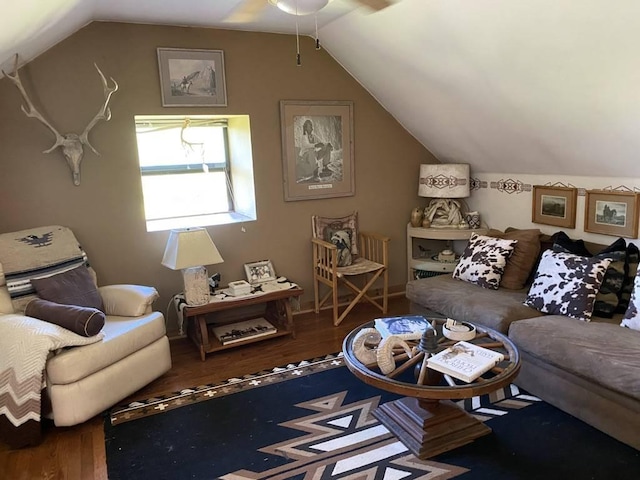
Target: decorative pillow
column 631, row 268
column 566, row 284
column 342, row 240
column 608, row 296
column 73, row 287
column 84, row 321
column 566, row 244
column 525, row 254
column 324, row 227
column 632, row 315
column 483, row 260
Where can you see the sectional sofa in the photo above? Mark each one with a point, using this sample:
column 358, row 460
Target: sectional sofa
column 590, row 369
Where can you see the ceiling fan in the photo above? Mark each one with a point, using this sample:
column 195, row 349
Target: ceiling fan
column 250, row 10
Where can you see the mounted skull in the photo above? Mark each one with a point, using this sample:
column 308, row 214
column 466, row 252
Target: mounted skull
column 72, row 144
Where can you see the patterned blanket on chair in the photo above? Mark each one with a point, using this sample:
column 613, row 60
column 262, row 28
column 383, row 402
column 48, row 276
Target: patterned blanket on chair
column 25, row 344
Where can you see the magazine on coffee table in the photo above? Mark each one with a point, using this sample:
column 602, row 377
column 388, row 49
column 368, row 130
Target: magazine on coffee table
column 239, row 331
column 407, row 327
column 465, row 361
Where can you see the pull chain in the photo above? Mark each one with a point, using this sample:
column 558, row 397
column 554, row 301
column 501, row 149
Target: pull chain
column 315, row 15
column 298, row 62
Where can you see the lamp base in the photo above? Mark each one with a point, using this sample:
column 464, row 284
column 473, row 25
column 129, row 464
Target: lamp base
column 444, row 213
column 196, row 286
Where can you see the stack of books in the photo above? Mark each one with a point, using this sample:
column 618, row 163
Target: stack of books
column 240, row 331
column 407, row 327
column 465, row 361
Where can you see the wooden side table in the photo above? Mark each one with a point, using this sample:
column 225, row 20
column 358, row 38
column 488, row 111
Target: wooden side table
column 277, row 310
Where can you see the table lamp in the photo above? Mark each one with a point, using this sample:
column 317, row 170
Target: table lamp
column 444, row 183
column 189, row 250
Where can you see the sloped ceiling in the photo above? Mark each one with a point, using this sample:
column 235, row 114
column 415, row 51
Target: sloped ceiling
column 529, row 86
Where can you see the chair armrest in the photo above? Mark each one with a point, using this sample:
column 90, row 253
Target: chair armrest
column 127, row 300
column 374, row 247
column 325, row 258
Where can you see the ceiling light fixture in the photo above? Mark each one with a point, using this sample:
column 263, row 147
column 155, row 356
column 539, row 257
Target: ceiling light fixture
column 301, row 8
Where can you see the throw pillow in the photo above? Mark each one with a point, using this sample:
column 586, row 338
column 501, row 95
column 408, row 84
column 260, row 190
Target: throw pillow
column 525, row 254
column 632, row 315
column 566, row 244
column 606, row 302
column 84, row 321
column 566, row 284
column 483, row 260
column 631, row 268
column 342, row 240
column 323, row 227
column 73, row 287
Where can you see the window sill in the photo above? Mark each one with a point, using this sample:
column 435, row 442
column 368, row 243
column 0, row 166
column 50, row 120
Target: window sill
column 197, row 221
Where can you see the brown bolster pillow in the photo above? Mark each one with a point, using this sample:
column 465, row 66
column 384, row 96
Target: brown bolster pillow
column 85, row 321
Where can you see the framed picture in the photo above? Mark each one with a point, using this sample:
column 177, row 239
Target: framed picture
column 554, row 206
column 317, row 149
column 611, row 213
column 259, row 272
column 192, row 78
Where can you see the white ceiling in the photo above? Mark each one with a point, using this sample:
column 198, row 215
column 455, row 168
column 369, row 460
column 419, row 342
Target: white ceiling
column 527, row 86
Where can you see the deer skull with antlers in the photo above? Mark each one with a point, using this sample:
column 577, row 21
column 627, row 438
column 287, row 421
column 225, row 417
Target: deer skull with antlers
column 72, row 144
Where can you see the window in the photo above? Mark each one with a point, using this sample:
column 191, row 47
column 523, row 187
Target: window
column 195, row 170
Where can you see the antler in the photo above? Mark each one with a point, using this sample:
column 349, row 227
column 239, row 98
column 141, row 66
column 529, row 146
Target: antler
column 104, row 113
column 32, row 112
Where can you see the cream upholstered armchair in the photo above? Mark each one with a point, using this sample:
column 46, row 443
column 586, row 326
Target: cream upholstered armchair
column 69, row 349
column 345, row 256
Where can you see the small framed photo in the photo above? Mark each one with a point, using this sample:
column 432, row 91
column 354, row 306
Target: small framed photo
column 317, row 149
column 259, row 272
column 192, row 78
column 554, row 206
column 611, row 213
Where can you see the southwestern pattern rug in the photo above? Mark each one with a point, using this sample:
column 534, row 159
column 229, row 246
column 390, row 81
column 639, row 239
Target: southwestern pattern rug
column 312, row 421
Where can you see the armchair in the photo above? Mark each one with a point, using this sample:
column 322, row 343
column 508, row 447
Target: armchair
column 344, row 256
column 51, row 371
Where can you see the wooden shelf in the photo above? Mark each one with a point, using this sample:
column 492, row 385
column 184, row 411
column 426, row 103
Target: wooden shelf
column 277, row 310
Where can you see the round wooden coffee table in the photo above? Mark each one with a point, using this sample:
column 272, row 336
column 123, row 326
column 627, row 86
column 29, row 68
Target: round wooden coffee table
column 426, row 419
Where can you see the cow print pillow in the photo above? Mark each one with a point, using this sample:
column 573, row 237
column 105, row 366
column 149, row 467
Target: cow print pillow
column 483, row 261
column 567, row 284
column 632, row 316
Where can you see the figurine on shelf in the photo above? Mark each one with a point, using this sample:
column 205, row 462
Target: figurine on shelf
column 416, row 217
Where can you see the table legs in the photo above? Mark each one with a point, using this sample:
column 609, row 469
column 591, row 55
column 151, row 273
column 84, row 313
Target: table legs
column 429, row 428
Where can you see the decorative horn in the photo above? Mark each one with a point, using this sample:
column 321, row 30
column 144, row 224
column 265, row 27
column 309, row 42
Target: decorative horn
column 71, row 143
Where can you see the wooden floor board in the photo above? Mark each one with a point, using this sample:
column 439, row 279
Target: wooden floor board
column 78, row 452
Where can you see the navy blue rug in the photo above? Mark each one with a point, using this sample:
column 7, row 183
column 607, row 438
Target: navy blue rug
column 313, row 421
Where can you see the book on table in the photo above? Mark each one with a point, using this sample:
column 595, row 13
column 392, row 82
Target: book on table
column 465, row 361
column 245, row 330
column 407, row 327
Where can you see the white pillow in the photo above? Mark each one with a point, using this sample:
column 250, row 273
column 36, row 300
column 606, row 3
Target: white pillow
column 483, row 260
column 632, row 315
column 567, row 284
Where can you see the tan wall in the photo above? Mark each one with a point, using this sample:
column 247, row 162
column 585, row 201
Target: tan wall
column 106, row 210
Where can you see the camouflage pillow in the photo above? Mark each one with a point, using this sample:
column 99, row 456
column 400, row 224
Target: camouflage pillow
column 632, row 316
column 567, row 284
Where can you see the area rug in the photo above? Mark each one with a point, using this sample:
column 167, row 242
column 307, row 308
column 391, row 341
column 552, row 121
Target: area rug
column 312, row 420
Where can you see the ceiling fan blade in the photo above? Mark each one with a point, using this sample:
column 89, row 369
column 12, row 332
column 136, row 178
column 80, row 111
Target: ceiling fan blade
column 248, row 11
column 375, row 4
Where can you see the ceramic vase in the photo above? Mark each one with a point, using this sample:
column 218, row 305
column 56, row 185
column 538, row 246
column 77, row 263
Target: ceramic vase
column 416, row 217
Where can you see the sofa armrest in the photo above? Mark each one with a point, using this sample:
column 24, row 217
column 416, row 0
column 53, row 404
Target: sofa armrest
column 127, row 300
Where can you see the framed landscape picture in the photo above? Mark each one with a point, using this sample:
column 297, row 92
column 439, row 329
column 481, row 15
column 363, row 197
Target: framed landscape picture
column 611, row 213
column 554, row 205
column 317, row 149
column 192, row 78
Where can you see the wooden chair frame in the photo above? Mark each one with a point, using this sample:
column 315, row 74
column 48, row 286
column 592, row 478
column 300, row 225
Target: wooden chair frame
column 372, row 264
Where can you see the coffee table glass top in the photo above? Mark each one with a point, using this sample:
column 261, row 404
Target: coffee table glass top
column 429, row 385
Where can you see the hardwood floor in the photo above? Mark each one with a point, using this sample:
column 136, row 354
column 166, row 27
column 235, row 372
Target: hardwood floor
column 79, row 452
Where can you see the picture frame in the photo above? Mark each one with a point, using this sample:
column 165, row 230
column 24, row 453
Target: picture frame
column 554, row 205
column 611, row 213
column 317, row 149
column 259, row 272
column 192, row 78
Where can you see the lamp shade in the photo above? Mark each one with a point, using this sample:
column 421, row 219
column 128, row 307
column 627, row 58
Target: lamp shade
column 300, row 7
column 190, row 247
column 444, row 180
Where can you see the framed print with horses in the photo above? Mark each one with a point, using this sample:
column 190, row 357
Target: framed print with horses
column 611, row 212
column 192, row 78
column 317, row 149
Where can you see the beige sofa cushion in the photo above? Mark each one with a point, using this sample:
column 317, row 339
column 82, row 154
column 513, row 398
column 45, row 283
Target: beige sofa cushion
column 122, row 337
